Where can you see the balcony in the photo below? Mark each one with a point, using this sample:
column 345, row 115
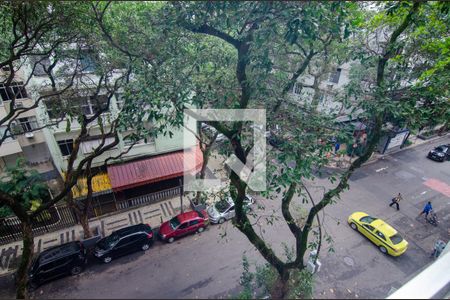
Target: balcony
column 10, row 147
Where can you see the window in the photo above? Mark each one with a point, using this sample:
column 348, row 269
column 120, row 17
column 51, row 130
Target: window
column 87, row 62
column 15, row 90
column 381, row 235
column 368, row 227
column 127, row 240
column 334, row 77
column 367, row 219
column 184, row 225
column 396, row 239
column 66, row 147
column 297, row 88
column 89, row 105
column 54, row 108
column 193, row 222
column 99, row 102
column 24, row 125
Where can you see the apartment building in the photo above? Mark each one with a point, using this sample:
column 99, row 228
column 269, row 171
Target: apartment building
column 27, row 141
column 45, row 140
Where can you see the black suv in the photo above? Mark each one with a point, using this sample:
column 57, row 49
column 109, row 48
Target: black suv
column 440, row 153
column 56, row 262
column 124, row 241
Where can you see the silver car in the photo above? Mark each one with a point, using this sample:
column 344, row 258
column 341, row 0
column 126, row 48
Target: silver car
column 224, row 209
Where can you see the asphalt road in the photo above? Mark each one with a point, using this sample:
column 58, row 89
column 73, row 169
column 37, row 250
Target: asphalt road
column 208, row 265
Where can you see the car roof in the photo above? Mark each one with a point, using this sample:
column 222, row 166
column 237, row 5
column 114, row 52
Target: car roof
column 132, row 229
column 188, row 216
column 384, row 227
column 59, row 251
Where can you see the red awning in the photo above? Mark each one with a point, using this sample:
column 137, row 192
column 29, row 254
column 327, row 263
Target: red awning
column 154, row 169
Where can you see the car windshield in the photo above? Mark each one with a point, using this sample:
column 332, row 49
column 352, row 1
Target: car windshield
column 439, row 149
column 222, row 206
column 174, row 223
column 396, row 239
column 108, row 242
column 367, row 219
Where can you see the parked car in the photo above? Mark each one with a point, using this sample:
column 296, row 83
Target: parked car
column 183, row 224
column 59, row 261
column 388, row 240
column 440, row 153
column 124, row 241
column 224, row 209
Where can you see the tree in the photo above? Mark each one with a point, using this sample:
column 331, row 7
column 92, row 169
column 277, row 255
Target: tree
column 237, row 46
column 45, row 31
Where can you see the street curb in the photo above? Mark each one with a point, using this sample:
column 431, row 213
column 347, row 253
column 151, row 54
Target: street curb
column 382, row 156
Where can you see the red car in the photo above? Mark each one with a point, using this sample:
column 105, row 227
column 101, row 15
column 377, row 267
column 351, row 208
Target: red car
column 183, row 224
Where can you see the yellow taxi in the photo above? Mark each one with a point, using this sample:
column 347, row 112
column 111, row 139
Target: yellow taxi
column 378, row 232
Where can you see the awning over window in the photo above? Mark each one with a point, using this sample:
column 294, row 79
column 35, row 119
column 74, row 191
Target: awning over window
column 100, row 185
column 154, row 169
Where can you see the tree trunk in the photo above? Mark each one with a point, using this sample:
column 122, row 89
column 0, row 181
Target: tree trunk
column 84, row 221
column 25, row 263
column 280, row 289
column 202, row 173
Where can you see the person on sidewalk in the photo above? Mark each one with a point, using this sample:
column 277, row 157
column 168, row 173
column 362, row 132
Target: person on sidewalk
column 396, row 200
column 426, row 210
column 438, row 248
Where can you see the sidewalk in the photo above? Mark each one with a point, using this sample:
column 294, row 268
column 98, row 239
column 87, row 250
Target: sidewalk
column 153, row 214
column 344, row 162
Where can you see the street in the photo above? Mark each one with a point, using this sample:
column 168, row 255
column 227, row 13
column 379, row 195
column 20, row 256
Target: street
column 208, row 265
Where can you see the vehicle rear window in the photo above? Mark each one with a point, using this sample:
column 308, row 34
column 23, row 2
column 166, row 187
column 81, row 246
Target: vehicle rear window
column 367, row 219
column 396, row 239
column 439, row 149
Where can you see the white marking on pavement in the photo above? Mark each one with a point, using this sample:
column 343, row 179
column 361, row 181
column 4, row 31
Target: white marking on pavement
column 381, row 169
column 423, row 193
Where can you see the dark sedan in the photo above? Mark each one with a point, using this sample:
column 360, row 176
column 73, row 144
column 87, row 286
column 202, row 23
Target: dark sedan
column 440, row 153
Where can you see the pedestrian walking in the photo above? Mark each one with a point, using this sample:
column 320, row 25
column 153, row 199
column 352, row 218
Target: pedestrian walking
column 337, row 146
column 439, row 246
column 426, row 210
column 396, row 200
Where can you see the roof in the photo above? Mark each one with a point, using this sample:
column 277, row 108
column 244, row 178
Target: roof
column 58, row 251
column 188, row 216
column 154, row 169
column 384, row 227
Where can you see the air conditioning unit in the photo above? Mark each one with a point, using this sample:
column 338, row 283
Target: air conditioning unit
column 29, row 135
column 18, row 105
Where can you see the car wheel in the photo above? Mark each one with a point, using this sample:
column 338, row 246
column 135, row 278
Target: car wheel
column 382, row 249
column 32, row 285
column 171, row 240
column 221, row 220
column 76, row 270
column 200, row 229
column 353, row 226
column 145, row 247
column 107, row 259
